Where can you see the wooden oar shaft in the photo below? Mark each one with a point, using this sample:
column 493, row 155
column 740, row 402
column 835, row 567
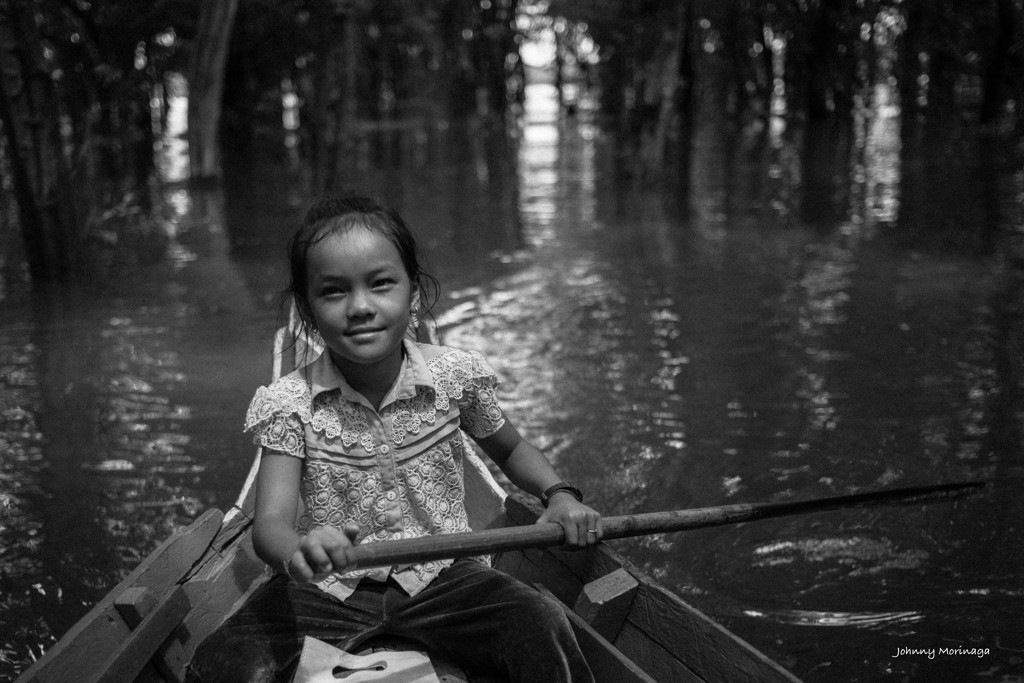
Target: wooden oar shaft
column 415, row 550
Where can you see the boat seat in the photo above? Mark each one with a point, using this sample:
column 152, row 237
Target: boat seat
column 447, row 670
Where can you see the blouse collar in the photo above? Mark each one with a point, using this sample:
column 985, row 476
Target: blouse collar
column 325, row 376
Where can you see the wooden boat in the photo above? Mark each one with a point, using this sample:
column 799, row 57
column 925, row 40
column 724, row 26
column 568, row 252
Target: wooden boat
column 631, row 629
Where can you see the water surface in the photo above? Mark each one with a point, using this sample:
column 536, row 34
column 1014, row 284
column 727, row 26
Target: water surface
column 810, row 323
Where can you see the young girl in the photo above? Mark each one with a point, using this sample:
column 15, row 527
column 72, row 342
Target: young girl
column 367, row 437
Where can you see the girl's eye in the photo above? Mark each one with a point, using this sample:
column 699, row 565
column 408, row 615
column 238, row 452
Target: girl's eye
column 331, row 291
column 383, row 283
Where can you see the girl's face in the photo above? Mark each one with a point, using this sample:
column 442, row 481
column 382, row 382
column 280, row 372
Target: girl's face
column 360, row 298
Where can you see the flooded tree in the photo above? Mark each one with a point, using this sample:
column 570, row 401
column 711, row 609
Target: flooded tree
column 206, row 84
column 965, row 61
column 83, row 83
column 356, row 67
column 77, row 79
column 41, row 167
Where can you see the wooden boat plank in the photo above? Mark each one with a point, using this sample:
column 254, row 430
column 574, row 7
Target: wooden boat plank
column 710, row 649
column 236, row 523
column 484, row 498
column 661, row 664
column 102, row 626
column 133, row 653
column 216, row 592
column 605, row 603
column 541, row 566
column 536, row 566
column 134, row 604
column 607, row 663
column 668, row 621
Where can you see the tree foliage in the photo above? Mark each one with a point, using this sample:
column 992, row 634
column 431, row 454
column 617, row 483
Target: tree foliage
column 76, row 84
column 969, row 57
column 79, row 75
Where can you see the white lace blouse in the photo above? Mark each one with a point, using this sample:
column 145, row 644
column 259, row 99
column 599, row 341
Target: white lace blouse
column 397, row 472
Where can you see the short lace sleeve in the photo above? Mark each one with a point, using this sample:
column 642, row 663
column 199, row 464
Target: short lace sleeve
column 273, row 425
column 481, row 414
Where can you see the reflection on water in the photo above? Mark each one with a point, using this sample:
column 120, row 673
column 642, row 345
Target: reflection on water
column 114, row 404
column 853, row 555
column 877, row 620
column 790, row 337
column 173, row 160
column 665, row 362
column 95, row 463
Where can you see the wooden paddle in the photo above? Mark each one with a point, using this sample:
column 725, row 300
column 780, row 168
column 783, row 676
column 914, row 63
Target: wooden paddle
column 415, row 550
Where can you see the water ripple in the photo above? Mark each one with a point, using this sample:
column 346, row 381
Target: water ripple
column 863, row 555
column 866, row 620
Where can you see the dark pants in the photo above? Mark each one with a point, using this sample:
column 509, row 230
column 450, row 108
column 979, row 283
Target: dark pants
column 477, row 616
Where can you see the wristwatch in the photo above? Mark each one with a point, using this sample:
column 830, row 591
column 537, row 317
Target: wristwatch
column 561, row 486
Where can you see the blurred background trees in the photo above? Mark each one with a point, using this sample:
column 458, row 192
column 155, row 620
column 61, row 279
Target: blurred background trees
column 84, row 82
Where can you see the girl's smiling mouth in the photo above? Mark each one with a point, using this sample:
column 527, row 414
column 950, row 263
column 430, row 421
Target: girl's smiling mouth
column 362, row 332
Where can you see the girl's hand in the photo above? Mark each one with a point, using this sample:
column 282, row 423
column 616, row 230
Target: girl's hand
column 582, row 523
column 322, row 552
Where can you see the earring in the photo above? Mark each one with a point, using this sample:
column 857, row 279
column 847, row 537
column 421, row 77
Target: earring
column 414, row 319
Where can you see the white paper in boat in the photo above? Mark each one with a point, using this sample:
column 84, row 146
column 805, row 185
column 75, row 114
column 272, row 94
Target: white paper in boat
column 324, row 663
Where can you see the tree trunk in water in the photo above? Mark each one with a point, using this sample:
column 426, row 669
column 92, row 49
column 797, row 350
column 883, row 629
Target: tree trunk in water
column 206, row 85
column 29, row 217
column 685, row 103
column 1000, row 62
column 43, row 180
column 330, row 98
column 671, row 70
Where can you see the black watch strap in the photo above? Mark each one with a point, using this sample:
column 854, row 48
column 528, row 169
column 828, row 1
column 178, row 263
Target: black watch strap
column 561, row 486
